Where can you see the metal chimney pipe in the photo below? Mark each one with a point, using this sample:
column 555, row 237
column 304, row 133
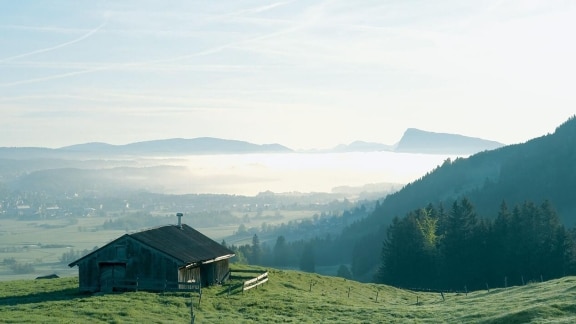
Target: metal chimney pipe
column 179, row 215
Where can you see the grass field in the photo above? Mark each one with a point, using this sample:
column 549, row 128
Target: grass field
column 288, row 297
column 42, row 243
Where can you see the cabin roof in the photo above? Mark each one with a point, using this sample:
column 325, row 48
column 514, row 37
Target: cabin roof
column 182, row 243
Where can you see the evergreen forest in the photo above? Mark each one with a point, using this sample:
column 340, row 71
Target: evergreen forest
column 454, row 249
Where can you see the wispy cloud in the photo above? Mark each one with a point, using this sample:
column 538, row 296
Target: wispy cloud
column 286, row 62
column 47, row 29
column 148, row 63
column 255, row 10
column 55, row 47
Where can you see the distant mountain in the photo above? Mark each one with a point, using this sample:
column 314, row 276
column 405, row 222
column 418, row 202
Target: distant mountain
column 181, row 146
column 360, row 146
column 419, row 141
column 413, row 141
column 109, row 169
column 90, row 147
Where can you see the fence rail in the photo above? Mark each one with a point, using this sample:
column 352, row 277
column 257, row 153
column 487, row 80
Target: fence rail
column 152, row 285
column 249, row 284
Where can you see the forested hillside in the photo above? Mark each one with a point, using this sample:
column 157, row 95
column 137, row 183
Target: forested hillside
column 539, row 170
column 542, row 168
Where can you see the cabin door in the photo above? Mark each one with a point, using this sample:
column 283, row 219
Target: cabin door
column 112, row 275
column 207, row 274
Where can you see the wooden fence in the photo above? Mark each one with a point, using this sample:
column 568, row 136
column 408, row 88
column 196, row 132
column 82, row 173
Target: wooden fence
column 251, row 282
column 151, row 285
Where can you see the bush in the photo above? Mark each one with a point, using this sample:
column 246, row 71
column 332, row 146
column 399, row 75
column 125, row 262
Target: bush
column 22, row 268
column 344, row 272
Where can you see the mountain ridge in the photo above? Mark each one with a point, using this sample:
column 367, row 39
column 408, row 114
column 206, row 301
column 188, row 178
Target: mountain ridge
column 418, row 141
column 426, row 142
column 412, row 141
column 199, row 145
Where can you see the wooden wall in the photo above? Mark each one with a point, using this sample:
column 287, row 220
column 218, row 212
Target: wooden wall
column 127, row 260
column 140, row 263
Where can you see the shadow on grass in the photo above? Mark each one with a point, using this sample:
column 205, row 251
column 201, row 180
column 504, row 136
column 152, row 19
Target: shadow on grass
column 231, row 289
column 40, row 297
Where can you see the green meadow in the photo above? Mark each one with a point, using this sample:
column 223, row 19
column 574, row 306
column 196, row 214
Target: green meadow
column 288, row 297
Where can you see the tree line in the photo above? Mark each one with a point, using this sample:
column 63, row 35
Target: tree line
column 304, row 255
column 454, row 249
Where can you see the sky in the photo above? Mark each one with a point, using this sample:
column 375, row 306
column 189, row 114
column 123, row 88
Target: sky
column 302, row 73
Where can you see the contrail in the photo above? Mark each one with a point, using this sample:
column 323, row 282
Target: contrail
column 48, row 49
column 259, row 9
column 52, row 77
column 205, row 52
column 208, row 51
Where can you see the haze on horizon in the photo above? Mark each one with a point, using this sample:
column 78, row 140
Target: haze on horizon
column 305, row 74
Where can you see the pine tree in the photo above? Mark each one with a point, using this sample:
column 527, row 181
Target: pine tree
column 457, row 247
column 308, row 259
column 256, row 250
column 281, row 257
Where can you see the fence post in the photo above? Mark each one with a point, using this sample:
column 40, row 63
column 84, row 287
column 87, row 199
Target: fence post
column 192, row 316
column 348, row 292
column 487, row 288
column 466, row 290
column 442, row 294
column 377, row 292
column 505, row 282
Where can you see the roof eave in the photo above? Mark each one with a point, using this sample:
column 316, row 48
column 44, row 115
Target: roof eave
column 220, row 258
column 74, row 263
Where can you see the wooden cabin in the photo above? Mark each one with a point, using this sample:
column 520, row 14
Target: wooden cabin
column 171, row 257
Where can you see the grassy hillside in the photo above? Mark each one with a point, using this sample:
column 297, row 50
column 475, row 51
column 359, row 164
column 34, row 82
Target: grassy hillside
column 288, row 297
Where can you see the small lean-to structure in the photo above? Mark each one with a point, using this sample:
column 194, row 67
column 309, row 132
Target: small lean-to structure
column 167, row 257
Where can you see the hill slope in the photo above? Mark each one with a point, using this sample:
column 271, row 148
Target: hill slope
column 289, row 297
column 540, row 169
